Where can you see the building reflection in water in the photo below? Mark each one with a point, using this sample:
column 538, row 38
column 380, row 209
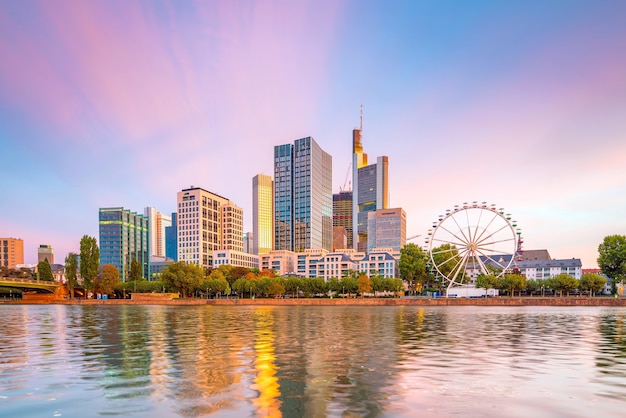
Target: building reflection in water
column 266, row 382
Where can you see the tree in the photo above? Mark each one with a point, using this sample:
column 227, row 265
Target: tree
column 183, row 277
column 89, row 261
column 487, row 281
column 135, row 273
column 109, row 278
column 412, row 265
column 276, row 288
column 513, row 282
column 71, row 273
column 364, row 285
column 45, row 271
column 446, row 257
column 564, row 283
column 592, row 282
column 612, row 256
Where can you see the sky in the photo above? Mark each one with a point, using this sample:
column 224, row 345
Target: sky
column 125, row 103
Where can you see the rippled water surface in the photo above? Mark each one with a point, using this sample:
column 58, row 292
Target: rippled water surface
column 298, row 361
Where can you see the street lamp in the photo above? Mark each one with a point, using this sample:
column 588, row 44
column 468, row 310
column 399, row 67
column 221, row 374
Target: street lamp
column 297, row 291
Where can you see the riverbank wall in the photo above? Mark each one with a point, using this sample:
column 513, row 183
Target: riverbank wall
column 500, row 301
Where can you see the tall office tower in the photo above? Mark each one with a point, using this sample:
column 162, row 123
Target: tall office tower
column 124, row 237
column 11, row 252
column 370, row 188
column 387, row 229
column 157, row 222
column 342, row 214
column 248, row 240
column 45, row 251
column 171, row 239
column 303, row 198
column 206, row 222
column 262, row 214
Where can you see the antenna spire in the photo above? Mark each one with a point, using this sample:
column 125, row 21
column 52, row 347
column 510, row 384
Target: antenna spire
column 361, row 127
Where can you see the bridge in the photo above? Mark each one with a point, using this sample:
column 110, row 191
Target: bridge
column 29, row 284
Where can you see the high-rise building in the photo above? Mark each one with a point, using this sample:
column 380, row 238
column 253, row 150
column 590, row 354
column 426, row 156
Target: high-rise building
column 206, row 222
column 248, row 241
column 386, row 229
column 171, row 239
column 45, row 251
column 11, row 252
column 303, row 200
column 157, row 222
column 370, row 188
column 342, row 214
column 262, row 214
column 124, row 237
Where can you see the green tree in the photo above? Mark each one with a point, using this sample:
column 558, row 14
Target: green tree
column 215, row 286
column 612, row 256
column 71, row 273
column 564, row 283
column 45, row 271
column 487, row 281
column 364, row 285
column 446, row 258
column 135, row 273
column 276, row 288
column 592, row 282
column 109, row 278
column 89, row 261
column 513, row 282
column 412, row 265
column 183, row 277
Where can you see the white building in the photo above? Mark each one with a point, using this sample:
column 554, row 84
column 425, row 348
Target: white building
column 280, row 261
column 544, row 269
column 235, row 258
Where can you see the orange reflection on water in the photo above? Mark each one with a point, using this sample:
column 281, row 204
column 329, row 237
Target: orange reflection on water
column 266, row 382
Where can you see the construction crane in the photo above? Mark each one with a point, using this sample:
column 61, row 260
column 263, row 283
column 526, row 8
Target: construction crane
column 346, row 181
column 413, row 237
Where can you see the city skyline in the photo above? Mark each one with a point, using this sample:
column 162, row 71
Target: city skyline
column 108, row 104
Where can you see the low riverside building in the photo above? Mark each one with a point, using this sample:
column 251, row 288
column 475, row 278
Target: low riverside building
column 280, row 261
column 544, row 269
column 235, row 258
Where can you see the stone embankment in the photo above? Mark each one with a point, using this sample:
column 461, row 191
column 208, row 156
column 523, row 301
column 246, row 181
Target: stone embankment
column 169, row 299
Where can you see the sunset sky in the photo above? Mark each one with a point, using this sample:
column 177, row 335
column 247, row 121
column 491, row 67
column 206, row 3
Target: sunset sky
column 125, row 103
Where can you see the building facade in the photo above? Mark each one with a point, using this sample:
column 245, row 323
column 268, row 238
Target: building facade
column 303, row 206
column 171, row 239
column 123, row 237
column 262, row 214
column 44, row 252
column 282, row 262
column 11, row 252
column 235, row 258
column 342, row 216
column 370, row 189
column 157, row 224
column 386, row 229
column 544, row 269
column 206, row 222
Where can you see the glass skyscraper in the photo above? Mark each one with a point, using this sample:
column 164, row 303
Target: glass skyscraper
column 370, row 189
column 303, row 199
column 262, row 214
column 124, row 237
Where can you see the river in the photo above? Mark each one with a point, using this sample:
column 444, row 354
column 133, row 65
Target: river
column 311, row 361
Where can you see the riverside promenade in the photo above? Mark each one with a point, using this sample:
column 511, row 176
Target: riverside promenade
column 405, row 301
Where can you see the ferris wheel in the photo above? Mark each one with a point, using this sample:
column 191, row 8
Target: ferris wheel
column 473, row 239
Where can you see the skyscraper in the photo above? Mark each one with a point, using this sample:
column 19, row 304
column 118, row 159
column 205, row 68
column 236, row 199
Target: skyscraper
column 303, row 202
column 157, row 222
column 387, row 229
column 124, row 237
column 342, row 215
column 262, row 214
column 171, row 239
column 206, row 222
column 370, row 188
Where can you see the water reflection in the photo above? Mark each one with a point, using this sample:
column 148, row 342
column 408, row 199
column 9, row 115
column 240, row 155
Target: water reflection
column 338, row 361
